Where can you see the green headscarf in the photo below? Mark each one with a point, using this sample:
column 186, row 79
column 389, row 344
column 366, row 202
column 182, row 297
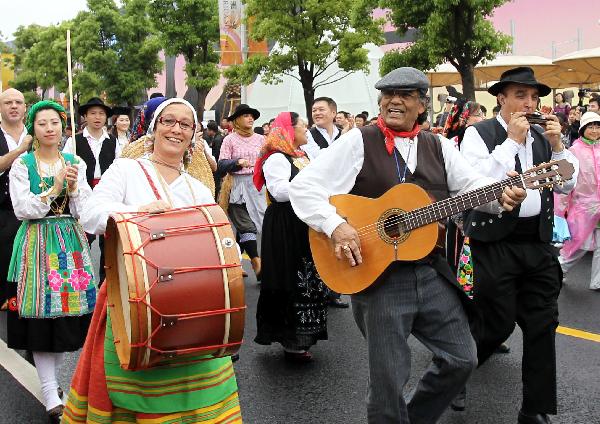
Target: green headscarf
column 45, row 104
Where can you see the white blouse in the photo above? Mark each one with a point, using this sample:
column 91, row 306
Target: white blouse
column 277, row 170
column 124, row 188
column 30, row 206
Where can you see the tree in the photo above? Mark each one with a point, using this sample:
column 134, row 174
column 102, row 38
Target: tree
column 40, row 58
column 115, row 50
column 454, row 31
column 311, row 36
column 191, row 28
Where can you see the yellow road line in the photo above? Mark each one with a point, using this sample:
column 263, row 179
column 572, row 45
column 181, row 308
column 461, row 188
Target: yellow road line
column 578, row 333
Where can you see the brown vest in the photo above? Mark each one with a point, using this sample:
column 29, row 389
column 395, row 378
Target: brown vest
column 380, row 171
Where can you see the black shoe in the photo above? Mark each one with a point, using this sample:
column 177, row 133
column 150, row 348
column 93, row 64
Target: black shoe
column 338, row 303
column 55, row 414
column 533, row 419
column 60, row 393
column 235, row 357
column 460, row 401
column 503, row 348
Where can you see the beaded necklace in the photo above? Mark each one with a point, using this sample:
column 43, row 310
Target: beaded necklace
column 55, row 208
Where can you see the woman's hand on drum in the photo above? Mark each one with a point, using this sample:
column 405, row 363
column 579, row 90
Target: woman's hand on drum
column 156, row 206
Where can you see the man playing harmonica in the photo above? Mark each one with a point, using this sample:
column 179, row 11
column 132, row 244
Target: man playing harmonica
column 517, row 277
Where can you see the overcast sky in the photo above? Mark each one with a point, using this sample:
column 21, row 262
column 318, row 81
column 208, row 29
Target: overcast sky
column 43, row 12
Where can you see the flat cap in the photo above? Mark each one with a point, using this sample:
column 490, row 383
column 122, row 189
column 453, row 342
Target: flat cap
column 405, row 78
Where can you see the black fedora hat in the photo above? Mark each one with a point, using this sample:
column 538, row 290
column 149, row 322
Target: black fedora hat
column 521, row 75
column 95, row 101
column 121, row 110
column 243, row 109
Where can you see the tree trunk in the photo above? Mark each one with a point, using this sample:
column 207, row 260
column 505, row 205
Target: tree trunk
column 468, row 80
column 309, row 97
column 202, row 93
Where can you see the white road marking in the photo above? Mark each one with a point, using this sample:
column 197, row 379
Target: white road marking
column 21, row 370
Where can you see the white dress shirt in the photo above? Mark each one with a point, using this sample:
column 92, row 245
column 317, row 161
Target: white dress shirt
column 311, row 148
column 502, row 160
column 335, row 171
column 124, row 188
column 12, row 143
column 30, row 206
column 278, row 170
column 95, row 145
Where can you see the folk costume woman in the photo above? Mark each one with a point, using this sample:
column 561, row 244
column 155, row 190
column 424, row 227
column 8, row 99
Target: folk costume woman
column 196, row 392
column 581, row 207
column 292, row 307
column 243, row 203
column 52, row 290
column 121, row 126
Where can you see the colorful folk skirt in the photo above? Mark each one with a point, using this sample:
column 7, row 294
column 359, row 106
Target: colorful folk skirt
column 102, row 392
column 52, row 265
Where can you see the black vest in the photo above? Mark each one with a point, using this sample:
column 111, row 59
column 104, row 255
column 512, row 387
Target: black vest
column 320, row 140
column 487, row 227
column 106, row 157
column 379, row 172
column 5, row 202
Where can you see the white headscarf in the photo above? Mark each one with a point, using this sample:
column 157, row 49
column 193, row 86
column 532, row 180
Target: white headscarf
column 166, row 103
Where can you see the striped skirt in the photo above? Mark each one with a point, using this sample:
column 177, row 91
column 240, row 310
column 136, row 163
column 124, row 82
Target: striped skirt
column 101, row 392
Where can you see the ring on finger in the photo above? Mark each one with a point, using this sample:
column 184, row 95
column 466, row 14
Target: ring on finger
column 346, row 247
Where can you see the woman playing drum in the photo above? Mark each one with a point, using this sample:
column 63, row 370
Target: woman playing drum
column 202, row 391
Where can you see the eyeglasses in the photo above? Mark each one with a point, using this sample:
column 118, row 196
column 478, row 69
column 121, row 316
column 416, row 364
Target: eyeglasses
column 170, row 122
column 403, row 94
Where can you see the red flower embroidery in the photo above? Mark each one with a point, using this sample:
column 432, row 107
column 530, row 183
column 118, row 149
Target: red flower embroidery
column 12, row 304
column 55, row 280
column 79, row 279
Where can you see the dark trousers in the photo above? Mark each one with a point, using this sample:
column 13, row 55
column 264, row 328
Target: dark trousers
column 102, row 271
column 520, row 282
column 9, row 225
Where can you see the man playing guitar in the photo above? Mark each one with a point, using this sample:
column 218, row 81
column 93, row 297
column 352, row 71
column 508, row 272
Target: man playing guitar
column 410, row 297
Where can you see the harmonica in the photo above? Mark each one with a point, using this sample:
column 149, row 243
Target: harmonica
column 536, row 118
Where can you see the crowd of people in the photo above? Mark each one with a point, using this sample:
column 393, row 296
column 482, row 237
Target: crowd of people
column 275, row 182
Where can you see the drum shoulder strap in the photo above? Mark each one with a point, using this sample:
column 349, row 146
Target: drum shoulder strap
column 154, row 189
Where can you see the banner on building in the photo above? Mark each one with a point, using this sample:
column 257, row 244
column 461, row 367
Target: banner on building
column 230, row 25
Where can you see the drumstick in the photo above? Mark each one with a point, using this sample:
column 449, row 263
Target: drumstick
column 70, row 76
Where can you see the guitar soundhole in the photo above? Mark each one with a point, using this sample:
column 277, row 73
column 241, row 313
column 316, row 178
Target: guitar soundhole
column 388, row 226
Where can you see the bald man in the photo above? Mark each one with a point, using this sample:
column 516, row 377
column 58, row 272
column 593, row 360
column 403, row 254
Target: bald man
column 13, row 143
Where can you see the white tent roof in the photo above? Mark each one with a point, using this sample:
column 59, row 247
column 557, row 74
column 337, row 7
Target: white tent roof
column 353, row 94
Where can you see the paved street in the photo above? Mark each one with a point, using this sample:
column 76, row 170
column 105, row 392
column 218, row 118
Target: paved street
column 332, row 388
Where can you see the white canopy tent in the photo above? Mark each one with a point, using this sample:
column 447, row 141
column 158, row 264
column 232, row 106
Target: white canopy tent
column 353, row 94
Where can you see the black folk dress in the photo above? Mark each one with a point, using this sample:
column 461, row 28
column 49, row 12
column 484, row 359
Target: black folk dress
column 292, row 306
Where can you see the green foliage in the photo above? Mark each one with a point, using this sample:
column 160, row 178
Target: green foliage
column 116, row 51
column 190, row 28
column 454, row 31
column 311, row 35
column 31, row 97
column 40, row 58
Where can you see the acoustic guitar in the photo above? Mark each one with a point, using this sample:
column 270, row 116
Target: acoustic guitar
column 401, row 225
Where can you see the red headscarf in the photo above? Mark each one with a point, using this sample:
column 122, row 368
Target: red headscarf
column 280, row 139
column 390, row 134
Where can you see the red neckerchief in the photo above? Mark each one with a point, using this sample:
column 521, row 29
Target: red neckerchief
column 390, row 134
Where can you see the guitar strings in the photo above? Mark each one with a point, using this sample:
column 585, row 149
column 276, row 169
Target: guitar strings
column 366, row 232
column 422, row 211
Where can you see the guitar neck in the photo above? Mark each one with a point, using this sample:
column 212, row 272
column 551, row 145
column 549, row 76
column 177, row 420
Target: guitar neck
column 454, row 205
